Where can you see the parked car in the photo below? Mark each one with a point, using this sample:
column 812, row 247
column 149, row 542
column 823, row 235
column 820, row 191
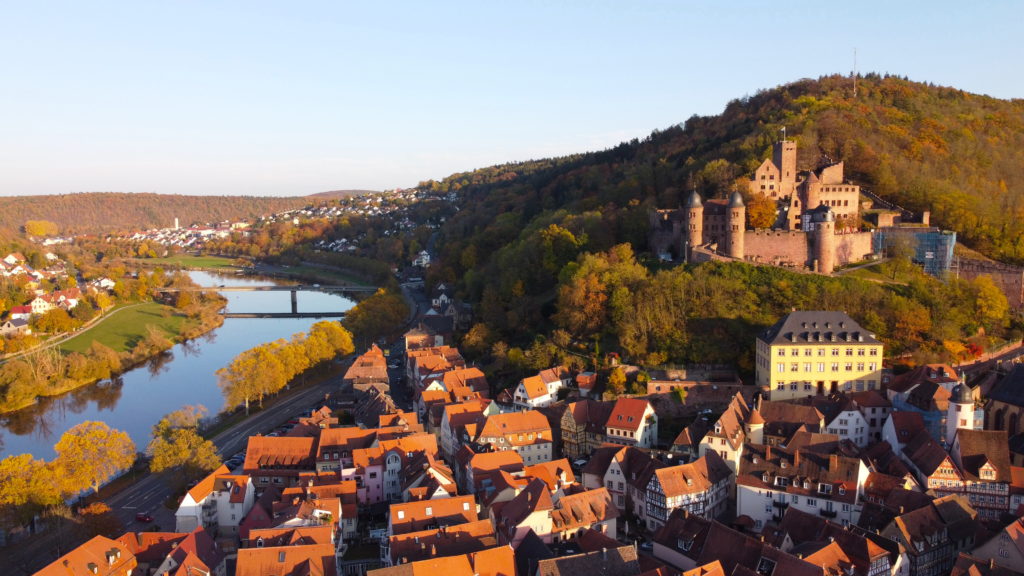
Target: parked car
column 143, row 517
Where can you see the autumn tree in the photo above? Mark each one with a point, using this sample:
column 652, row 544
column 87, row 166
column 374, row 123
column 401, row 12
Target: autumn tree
column 761, row 212
column 251, row 376
column 26, row 487
column 990, row 304
column 381, row 315
column 91, row 453
column 97, row 519
column 177, row 445
column 616, row 382
column 41, row 228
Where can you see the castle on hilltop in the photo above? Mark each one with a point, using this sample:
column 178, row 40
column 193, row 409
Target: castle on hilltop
column 811, row 202
column 778, row 179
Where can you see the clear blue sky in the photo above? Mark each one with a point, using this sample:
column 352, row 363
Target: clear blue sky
column 289, row 98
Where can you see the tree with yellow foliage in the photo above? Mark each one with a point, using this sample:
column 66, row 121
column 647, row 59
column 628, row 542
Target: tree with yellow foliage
column 91, row 453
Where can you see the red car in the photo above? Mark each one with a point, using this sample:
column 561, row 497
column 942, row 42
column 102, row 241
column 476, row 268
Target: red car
column 143, row 517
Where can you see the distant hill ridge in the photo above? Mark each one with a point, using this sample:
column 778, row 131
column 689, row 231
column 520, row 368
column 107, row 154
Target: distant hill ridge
column 98, row 212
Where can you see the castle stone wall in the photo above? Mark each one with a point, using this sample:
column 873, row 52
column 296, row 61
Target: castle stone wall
column 853, row 247
column 778, row 247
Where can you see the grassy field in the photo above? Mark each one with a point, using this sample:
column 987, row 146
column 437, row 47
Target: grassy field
column 125, row 327
column 190, row 261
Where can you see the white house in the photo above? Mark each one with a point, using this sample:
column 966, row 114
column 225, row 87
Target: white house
column 632, row 423
column 772, row 479
column 220, row 500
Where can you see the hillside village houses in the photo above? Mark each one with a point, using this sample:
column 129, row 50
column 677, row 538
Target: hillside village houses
column 765, row 479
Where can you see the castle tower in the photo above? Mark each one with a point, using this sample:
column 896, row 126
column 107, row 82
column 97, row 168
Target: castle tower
column 737, row 225
column 811, row 193
column 694, row 223
column 961, row 412
column 825, row 242
column 784, row 157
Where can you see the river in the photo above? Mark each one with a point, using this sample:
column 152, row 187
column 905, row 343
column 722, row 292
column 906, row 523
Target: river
column 183, row 376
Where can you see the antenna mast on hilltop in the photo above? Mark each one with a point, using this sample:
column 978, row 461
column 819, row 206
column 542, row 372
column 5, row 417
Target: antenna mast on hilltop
column 854, row 72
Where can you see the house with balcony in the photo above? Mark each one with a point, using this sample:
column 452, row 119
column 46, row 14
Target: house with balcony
column 772, row 479
column 218, row 503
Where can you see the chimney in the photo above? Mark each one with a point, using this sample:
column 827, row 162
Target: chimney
column 604, row 553
column 767, row 452
column 433, row 550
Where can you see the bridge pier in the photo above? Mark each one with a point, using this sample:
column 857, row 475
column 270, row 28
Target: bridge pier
column 295, row 301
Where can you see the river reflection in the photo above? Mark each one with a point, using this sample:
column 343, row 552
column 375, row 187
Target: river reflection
column 184, row 375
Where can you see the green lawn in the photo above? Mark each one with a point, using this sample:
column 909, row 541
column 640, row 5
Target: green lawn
column 190, row 261
column 122, row 329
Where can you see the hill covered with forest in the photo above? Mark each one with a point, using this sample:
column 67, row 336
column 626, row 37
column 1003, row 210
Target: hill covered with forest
column 517, row 246
column 94, row 212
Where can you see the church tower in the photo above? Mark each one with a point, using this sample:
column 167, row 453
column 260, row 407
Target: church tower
column 737, row 225
column 962, row 413
column 694, row 224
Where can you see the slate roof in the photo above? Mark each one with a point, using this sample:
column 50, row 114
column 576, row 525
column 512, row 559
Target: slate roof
column 978, row 447
column 620, row 561
column 817, row 327
column 704, row 541
column 1011, row 388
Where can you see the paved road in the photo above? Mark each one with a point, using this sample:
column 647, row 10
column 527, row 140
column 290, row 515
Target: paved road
column 978, row 368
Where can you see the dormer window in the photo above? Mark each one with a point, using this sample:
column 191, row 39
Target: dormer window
column 825, row 488
column 842, row 490
column 781, row 481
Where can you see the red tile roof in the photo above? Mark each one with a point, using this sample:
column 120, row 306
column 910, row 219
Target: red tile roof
column 415, row 516
column 308, row 560
column 628, row 413
column 205, row 486
column 110, row 557
column 267, row 451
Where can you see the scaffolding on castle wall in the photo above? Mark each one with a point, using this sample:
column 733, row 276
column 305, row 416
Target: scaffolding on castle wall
column 933, row 248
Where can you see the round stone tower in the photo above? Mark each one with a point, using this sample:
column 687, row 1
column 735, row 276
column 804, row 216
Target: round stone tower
column 825, row 243
column 812, row 192
column 694, row 223
column 737, row 225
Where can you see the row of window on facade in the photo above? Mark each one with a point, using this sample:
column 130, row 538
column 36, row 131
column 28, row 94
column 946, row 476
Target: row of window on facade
column 809, row 366
column 835, row 351
column 848, row 386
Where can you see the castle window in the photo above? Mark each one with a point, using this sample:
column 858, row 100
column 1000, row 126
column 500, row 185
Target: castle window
column 808, row 351
column 762, row 187
column 794, row 367
column 821, row 351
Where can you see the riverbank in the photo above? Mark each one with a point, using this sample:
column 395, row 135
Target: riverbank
column 126, row 338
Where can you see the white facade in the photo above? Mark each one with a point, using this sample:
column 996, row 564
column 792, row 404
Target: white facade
column 851, row 425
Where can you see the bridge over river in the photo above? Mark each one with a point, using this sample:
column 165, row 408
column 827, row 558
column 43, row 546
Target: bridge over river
column 293, row 288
